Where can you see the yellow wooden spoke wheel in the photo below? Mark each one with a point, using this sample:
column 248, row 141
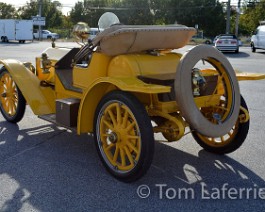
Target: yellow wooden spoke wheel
column 226, row 143
column 12, row 102
column 124, row 136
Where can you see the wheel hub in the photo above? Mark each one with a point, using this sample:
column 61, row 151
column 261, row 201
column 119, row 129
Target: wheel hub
column 4, row 95
column 113, row 137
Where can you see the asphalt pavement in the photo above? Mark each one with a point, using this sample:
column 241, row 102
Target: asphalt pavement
column 44, row 167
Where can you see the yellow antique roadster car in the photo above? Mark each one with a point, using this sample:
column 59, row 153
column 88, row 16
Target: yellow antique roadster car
column 127, row 84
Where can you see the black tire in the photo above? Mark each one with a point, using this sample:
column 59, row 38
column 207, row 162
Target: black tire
column 185, row 97
column 238, row 135
column 119, row 140
column 237, row 51
column 253, row 49
column 12, row 105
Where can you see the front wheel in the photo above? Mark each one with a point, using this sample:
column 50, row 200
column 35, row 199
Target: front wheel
column 12, row 102
column 253, row 49
column 229, row 142
column 124, row 136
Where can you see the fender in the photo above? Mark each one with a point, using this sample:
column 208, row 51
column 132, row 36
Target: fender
column 100, row 87
column 40, row 99
column 249, row 76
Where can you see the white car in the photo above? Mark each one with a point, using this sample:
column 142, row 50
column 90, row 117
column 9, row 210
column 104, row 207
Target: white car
column 258, row 38
column 227, row 42
column 93, row 33
column 46, row 34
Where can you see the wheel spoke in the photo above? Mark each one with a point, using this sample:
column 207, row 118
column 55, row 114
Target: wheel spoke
column 131, row 126
column 12, row 108
column 133, row 137
column 119, row 118
column 131, row 146
column 109, row 147
column 123, row 159
column 9, row 81
column 116, row 154
column 111, row 115
column 129, row 155
column 5, row 106
column 125, row 119
column 103, row 135
column 108, row 125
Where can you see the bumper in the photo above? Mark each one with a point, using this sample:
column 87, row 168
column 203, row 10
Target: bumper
column 227, row 48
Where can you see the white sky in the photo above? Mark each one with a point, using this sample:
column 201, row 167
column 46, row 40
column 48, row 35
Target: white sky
column 69, row 4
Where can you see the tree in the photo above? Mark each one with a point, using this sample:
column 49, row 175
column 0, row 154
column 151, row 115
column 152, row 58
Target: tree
column 136, row 12
column 253, row 14
column 208, row 14
column 54, row 17
column 88, row 11
column 7, row 11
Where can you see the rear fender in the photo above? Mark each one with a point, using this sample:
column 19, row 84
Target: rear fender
column 40, row 99
column 102, row 86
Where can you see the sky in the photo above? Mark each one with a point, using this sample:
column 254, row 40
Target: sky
column 69, row 4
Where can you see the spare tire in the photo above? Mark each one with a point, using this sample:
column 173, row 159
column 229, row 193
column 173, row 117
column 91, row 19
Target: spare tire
column 184, row 92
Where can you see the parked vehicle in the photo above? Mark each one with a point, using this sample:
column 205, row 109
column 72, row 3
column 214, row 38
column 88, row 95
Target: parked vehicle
column 126, row 77
column 19, row 30
column 46, row 34
column 227, row 42
column 258, row 38
column 199, row 40
column 93, row 33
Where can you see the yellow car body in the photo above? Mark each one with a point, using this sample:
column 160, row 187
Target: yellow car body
column 104, row 74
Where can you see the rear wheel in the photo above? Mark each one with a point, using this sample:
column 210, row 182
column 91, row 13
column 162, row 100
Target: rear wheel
column 4, row 39
column 228, row 142
column 12, row 102
column 123, row 135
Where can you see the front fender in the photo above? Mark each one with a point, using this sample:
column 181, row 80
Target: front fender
column 40, row 99
column 99, row 88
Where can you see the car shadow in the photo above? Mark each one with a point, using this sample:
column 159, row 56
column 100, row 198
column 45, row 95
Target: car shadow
column 47, row 168
column 258, row 51
column 15, row 43
column 236, row 55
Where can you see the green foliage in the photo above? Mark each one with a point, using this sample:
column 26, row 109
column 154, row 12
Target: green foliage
column 209, row 15
column 7, row 11
column 252, row 16
column 54, row 17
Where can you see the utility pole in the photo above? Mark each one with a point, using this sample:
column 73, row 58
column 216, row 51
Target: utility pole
column 228, row 11
column 40, row 11
column 237, row 16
